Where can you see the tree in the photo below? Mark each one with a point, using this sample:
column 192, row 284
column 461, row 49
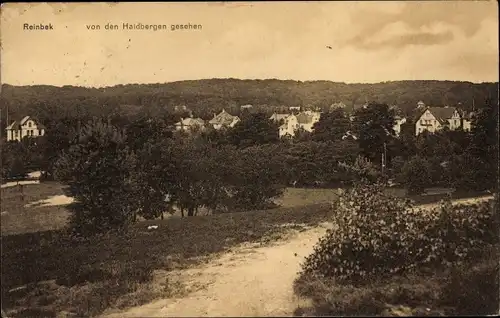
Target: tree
column 362, row 169
column 483, row 147
column 416, row 175
column 374, row 126
column 331, row 126
column 99, row 171
column 254, row 129
column 15, row 160
column 154, row 175
column 59, row 136
column 201, row 174
column 302, row 135
column 257, row 177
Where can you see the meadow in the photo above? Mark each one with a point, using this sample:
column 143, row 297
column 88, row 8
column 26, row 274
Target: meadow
column 45, row 272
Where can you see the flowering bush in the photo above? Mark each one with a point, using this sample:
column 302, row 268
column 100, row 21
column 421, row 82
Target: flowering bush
column 380, row 235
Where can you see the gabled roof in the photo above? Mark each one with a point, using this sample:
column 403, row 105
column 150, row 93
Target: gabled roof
column 304, row 118
column 223, row 118
column 16, row 124
column 191, row 122
column 278, row 117
column 442, row 114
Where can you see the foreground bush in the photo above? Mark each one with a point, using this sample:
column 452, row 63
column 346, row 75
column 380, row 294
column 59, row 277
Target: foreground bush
column 379, row 235
column 472, row 288
column 467, row 289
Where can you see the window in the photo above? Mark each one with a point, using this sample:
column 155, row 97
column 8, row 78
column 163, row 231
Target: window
column 29, row 124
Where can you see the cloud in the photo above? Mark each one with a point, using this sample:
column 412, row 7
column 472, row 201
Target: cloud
column 415, row 18
column 423, row 38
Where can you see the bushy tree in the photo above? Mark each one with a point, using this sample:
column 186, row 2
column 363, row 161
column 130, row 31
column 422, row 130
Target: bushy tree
column 99, row 171
column 484, row 146
column 15, row 160
column 253, row 129
column 416, row 175
column 374, row 126
column 257, row 177
column 362, row 169
column 331, row 126
column 309, row 162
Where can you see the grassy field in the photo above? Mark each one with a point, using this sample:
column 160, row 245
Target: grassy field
column 16, row 218
column 44, row 272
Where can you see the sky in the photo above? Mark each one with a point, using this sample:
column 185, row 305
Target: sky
column 352, row 42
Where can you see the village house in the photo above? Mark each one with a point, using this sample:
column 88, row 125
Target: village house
column 467, row 119
column 26, row 127
column 190, row 124
column 278, row 117
column 224, row 119
column 292, row 123
column 289, row 127
column 307, row 120
column 436, row 118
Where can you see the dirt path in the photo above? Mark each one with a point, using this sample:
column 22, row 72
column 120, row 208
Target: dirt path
column 247, row 281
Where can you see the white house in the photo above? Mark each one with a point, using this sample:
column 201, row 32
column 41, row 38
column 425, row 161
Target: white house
column 307, row 120
column 467, row 121
column 437, row 118
column 26, row 127
column 398, row 121
column 190, row 124
column 224, row 119
column 304, row 120
column 289, row 127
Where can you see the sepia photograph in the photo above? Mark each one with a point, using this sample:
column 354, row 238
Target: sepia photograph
column 249, row 159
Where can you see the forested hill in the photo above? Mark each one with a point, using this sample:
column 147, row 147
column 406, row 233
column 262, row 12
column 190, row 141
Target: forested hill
column 207, row 96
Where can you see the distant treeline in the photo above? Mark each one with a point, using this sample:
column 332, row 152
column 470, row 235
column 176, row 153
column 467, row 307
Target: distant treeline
column 204, row 97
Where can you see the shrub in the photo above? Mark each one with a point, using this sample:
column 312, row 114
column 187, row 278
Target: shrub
column 363, row 169
column 472, row 289
column 99, row 172
column 416, row 175
column 380, row 235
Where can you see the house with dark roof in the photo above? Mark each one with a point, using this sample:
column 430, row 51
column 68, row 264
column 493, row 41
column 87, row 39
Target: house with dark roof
column 307, row 119
column 26, row 127
column 224, row 119
column 292, row 123
column 278, row 117
column 190, row 124
column 433, row 119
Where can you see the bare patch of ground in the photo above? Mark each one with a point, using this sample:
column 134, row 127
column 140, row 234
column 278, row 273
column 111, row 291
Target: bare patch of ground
column 51, row 201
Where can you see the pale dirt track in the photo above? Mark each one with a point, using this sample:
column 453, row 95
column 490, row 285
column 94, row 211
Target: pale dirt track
column 247, row 281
